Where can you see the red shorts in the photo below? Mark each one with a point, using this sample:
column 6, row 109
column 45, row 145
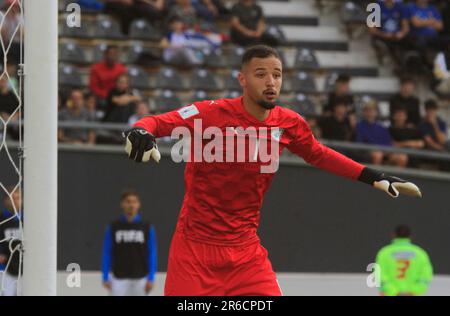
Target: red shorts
column 200, row 269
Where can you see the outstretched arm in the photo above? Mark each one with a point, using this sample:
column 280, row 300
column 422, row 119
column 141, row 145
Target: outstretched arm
column 140, row 140
column 313, row 152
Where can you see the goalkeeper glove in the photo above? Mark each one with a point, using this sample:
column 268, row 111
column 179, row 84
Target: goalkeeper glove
column 141, row 145
column 389, row 184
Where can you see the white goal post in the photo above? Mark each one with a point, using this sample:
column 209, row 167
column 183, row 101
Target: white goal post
column 40, row 146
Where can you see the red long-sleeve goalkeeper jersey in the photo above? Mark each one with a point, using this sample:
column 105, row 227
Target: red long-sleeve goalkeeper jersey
column 222, row 200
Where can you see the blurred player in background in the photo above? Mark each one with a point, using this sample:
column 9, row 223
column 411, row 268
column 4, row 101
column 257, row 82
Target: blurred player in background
column 405, row 268
column 215, row 249
column 129, row 251
column 10, row 239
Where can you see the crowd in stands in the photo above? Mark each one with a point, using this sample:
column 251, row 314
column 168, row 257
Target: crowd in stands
column 415, row 34
column 190, row 30
column 343, row 119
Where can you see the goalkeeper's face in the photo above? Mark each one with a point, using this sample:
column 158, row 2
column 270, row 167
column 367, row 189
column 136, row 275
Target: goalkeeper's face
column 131, row 205
column 261, row 80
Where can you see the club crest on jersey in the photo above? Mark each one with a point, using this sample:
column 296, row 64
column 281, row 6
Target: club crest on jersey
column 276, row 133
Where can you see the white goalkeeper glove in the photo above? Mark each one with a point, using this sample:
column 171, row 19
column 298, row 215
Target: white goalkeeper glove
column 141, row 145
column 391, row 185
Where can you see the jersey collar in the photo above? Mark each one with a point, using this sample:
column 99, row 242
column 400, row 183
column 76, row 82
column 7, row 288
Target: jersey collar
column 250, row 117
column 136, row 219
column 401, row 241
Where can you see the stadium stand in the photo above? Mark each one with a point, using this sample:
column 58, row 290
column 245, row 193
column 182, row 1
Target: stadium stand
column 319, row 41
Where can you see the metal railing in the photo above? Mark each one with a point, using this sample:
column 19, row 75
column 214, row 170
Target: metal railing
column 338, row 145
column 288, row 157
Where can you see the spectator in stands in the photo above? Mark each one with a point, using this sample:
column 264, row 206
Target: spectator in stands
column 142, row 110
column 433, row 128
column 370, row 131
column 404, row 134
column 248, row 26
column 183, row 10
column 92, row 5
column 341, row 91
column 104, row 74
column 205, row 9
column 90, row 102
column 183, row 47
column 426, row 22
column 209, row 9
column 75, row 111
column 121, row 101
column 10, row 23
column 128, row 10
column 406, row 99
column 337, row 126
column 444, row 8
column 8, row 100
column 394, row 28
column 441, row 70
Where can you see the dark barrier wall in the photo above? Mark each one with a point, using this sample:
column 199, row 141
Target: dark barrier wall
column 311, row 221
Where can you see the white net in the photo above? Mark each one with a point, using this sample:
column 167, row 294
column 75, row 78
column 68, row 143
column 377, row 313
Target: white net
column 11, row 83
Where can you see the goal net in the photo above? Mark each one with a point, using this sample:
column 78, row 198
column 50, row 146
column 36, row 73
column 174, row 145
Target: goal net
column 11, row 225
column 28, row 146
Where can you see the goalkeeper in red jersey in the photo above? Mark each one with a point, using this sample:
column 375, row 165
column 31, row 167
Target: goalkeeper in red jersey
column 215, row 249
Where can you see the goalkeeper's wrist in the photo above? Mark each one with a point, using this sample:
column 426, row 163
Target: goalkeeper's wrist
column 370, row 176
column 137, row 126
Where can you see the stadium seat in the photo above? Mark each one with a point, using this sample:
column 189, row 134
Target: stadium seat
column 353, row 15
column 139, row 79
column 107, row 27
column 136, row 49
column 282, row 57
column 305, row 59
column 232, row 94
column 140, row 55
column 62, row 4
column 169, row 78
column 84, row 31
column 235, row 57
column 70, row 76
column 199, row 95
column 303, row 105
column 303, row 82
column 71, row 52
column 99, row 51
column 277, row 32
column 167, row 101
column 231, row 81
column 202, row 79
column 352, row 12
column 215, row 59
column 143, row 30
